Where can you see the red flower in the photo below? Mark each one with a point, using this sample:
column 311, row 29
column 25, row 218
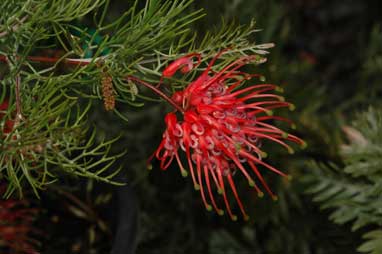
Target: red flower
column 16, row 220
column 221, row 129
column 8, row 125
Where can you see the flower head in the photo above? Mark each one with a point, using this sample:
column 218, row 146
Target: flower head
column 221, row 128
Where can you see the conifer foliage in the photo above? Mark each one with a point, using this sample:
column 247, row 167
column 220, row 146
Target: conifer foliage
column 353, row 192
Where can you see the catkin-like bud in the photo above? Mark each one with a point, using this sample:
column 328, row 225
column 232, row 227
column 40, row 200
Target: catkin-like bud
column 108, row 91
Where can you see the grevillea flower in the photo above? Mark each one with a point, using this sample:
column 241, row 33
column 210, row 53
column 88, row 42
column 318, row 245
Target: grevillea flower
column 16, row 220
column 220, row 128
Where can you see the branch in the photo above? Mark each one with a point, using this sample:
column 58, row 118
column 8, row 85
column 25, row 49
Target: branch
column 19, row 115
column 41, row 59
column 86, row 61
column 14, row 27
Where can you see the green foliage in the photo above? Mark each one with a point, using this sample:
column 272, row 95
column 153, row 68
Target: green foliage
column 51, row 138
column 25, row 22
column 373, row 242
column 353, row 192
